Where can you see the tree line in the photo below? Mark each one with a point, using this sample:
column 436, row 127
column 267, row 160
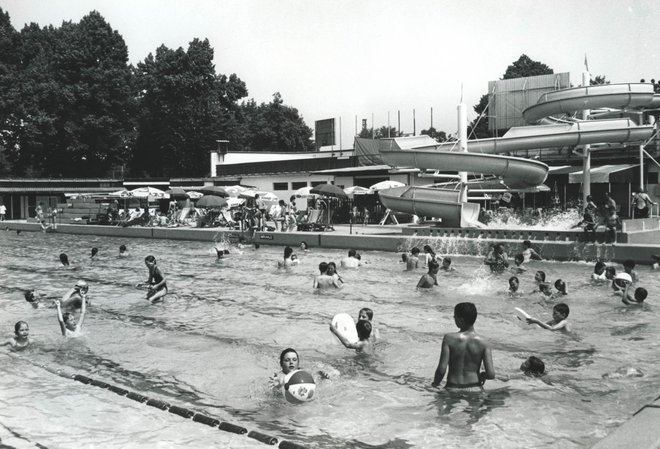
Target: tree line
column 71, row 105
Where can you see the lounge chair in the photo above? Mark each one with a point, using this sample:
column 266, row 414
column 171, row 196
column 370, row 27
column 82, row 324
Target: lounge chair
column 317, row 220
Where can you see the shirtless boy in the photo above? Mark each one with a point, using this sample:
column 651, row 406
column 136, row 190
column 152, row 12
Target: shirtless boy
column 323, row 280
column 464, row 352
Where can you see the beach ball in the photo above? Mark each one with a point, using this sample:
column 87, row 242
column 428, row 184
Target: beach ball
column 299, row 386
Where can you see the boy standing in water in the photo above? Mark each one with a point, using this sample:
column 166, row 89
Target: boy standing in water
column 464, row 352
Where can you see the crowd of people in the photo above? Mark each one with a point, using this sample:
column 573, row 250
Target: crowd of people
column 465, row 357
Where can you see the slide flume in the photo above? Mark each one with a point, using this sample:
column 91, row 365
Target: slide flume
column 516, row 173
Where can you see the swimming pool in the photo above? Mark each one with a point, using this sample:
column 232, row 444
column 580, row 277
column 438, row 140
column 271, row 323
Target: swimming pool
column 211, row 346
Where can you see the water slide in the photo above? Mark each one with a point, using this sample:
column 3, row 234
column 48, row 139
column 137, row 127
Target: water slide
column 516, row 173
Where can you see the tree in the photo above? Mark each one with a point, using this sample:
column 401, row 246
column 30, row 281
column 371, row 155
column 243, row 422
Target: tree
column 271, row 126
column 440, row 136
column 599, row 79
column 9, row 76
column 184, row 108
column 523, row 67
column 71, row 102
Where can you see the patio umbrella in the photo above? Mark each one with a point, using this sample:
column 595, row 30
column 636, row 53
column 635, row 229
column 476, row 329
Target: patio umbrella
column 330, row 190
column 304, row 192
column 357, row 190
column 120, row 194
column 211, row 201
column 385, row 185
column 235, row 191
column 194, row 195
column 214, row 190
column 177, row 193
column 150, row 193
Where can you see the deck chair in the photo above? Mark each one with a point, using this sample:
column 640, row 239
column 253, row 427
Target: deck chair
column 311, row 222
column 226, row 219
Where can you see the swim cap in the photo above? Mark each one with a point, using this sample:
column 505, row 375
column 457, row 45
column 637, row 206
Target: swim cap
column 81, row 284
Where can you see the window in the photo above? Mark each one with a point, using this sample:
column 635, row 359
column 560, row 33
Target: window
column 318, row 183
column 280, row 186
column 298, row 185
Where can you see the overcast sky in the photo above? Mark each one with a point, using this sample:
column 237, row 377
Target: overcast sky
column 337, row 58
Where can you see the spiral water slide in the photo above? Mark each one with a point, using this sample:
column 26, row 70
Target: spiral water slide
column 515, row 172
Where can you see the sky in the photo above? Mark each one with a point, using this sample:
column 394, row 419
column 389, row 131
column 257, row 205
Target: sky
column 374, row 59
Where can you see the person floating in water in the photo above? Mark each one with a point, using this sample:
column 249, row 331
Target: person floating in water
column 34, row 297
column 64, row 259
column 21, row 338
column 95, row 251
column 69, row 326
column 463, row 354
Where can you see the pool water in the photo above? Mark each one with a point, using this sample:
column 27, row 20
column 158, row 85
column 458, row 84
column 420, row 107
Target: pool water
column 214, row 342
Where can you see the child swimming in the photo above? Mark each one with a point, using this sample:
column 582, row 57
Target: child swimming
column 533, row 366
column 289, row 361
column 21, row 338
column 559, row 321
column 514, row 285
column 561, row 289
column 363, row 328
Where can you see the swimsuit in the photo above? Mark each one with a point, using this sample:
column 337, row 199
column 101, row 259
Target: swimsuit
column 464, row 388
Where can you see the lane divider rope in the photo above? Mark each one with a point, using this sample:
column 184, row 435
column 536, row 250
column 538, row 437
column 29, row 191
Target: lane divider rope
column 176, row 410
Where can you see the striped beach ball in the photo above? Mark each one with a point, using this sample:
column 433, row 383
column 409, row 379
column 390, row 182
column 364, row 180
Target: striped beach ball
column 299, row 386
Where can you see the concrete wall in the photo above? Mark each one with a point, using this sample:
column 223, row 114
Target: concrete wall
column 560, row 249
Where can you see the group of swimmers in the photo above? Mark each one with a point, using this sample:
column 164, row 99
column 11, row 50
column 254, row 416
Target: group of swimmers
column 463, row 353
column 76, row 299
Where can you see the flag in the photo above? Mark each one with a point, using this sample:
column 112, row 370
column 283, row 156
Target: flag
column 586, row 65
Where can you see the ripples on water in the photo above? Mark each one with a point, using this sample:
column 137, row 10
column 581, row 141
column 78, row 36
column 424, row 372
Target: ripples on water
column 216, row 339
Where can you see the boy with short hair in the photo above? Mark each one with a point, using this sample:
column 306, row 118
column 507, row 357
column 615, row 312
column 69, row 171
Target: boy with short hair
column 559, row 321
column 463, row 353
